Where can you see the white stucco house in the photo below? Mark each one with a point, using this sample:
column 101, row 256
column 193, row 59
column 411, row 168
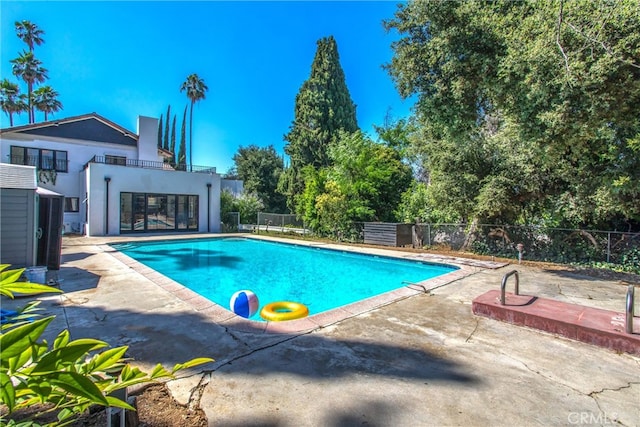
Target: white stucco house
column 114, row 181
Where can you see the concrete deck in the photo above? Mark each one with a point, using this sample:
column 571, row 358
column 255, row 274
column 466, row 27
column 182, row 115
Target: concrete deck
column 420, row 360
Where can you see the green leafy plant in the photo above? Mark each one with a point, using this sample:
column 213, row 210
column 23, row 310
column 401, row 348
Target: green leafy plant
column 10, row 284
column 67, row 377
column 47, row 176
column 631, row 260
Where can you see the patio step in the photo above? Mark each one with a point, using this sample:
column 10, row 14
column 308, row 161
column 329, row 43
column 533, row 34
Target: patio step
column 603, row 328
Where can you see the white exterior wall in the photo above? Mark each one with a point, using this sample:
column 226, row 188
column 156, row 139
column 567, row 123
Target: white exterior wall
column 71, row 183
column 138, row 180
column 89, row 185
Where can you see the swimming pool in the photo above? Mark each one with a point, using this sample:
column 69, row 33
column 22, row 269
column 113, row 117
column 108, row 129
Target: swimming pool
column 321, row 279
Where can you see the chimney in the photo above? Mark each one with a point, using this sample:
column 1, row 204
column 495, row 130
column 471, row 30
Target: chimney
column 148, row 139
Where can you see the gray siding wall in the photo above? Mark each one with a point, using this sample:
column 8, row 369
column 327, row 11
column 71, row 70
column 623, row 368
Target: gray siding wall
column 17, row 176
column 387, row 234
column 17, row 227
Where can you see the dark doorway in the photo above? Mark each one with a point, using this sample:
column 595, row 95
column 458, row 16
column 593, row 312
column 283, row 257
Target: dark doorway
column 50, row 216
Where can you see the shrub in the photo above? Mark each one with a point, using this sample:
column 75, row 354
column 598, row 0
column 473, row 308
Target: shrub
column 69, row 375
column 631, row 260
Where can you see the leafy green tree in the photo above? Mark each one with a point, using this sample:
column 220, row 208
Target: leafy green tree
column 231, row 173
column 403, row 136
column 527, row 110
column 195, row 89
column 260, row 169
column 333, row 210
column 11, row 100
column 45, row 99
column 29, row 33
column 364, row 183
column 372, row 176
column 227, row 203
column 249, row 204
column 415, row 205
column 28, row 68
column 394, row 133
column 315, row 182
column 323, row 108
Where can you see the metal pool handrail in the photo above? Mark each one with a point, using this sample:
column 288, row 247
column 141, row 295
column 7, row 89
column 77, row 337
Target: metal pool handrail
column 630, row 312
column 503, row 286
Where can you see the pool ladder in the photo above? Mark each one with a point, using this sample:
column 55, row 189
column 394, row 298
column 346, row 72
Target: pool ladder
column 629, row 314
column 503, row 286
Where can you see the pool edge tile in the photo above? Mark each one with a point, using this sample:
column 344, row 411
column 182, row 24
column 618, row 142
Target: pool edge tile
column 228, row 319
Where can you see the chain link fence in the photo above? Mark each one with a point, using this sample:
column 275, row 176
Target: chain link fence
column 284, row 223
column 230, row 222
column 557, row 245
column 509, row 241
column 536, row 243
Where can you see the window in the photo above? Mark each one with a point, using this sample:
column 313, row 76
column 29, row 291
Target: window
column 115, row 160
column 144, row 212
column 41, row 158
column 72, row 204
column 126, row 211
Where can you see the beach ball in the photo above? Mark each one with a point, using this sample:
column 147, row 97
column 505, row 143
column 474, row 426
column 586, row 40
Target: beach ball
column 244, row 303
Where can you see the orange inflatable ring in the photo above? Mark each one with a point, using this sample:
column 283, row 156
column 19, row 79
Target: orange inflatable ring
column 283, row 310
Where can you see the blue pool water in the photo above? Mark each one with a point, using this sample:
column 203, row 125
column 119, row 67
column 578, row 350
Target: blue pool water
column 319, row 278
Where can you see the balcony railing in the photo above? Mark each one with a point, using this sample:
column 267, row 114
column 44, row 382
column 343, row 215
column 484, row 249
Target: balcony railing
column 147, row 164
column 41, row 163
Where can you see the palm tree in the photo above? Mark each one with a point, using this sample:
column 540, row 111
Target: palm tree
column 45, row 99
column 11, row 100
column 195, row 88
column 29, row 68
column 29, row 33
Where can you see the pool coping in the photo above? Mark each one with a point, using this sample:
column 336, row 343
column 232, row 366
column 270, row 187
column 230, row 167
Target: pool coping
column 221, row 315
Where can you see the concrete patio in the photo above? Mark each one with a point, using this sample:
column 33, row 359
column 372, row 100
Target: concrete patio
column 422, row 360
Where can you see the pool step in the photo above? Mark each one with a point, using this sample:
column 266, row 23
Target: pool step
column 603, row 328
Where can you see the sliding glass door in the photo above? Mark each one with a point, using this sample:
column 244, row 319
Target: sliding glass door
column 152, row 212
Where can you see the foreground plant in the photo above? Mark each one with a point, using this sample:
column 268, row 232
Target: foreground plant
column 67, row 377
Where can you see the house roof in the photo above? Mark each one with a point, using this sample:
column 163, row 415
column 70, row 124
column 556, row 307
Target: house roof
column 47, row 193
column 89, row 127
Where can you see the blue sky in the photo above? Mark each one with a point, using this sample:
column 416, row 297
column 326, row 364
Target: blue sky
column 125, row 59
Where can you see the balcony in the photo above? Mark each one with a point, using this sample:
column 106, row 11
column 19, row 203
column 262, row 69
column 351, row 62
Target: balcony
column 146, row 164
column 41, row 163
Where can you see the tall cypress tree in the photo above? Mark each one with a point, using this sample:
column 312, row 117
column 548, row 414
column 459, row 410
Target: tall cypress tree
column 182, row 151
column 160, row 132
column 172, row 146
column 165, row 145
column 323, row 108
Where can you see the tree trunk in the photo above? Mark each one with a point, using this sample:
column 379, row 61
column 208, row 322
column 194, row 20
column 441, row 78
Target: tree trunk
column 191, row 138
column 471, row 235
column 417, row 235
column 30, row 112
